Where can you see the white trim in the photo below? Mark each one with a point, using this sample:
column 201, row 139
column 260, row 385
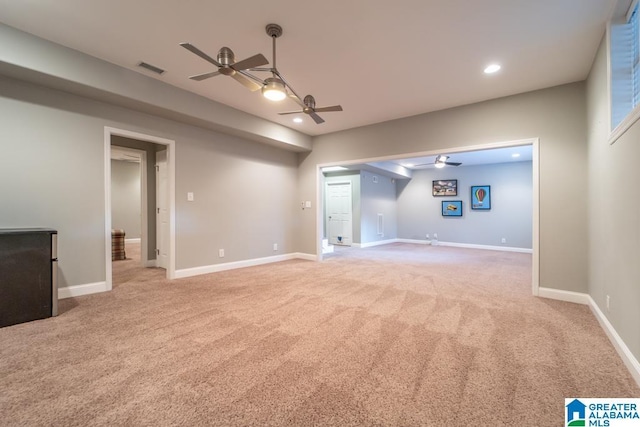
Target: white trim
column 133, row 240
column 377, row 243
column 171, row 149
column 107, row 208
column 629, row 120
column 486, row 247
column 79, row 290
column 464, row 245
column 626, row 355
column 535, row 217
column 215, row 268
column 560, row 295
column 414, row 241
column 302, row 255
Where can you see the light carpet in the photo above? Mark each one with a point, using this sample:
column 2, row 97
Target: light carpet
column 398, row 334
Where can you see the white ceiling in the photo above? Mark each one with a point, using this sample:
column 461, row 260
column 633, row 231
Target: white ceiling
column 379, row 59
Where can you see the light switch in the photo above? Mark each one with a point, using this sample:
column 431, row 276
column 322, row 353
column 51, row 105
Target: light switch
column 307, row 204
column 190, row 197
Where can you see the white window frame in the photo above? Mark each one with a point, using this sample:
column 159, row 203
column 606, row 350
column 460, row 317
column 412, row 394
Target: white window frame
column 634, row 114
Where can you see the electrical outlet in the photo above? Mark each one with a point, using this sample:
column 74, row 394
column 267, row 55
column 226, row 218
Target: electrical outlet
column 221, row 253
column 504, row 240
column 427, row 236
column 608, row 301
column 275, row 246
column 435, row 235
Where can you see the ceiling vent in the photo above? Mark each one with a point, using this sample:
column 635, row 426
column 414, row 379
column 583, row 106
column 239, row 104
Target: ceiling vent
column 150, row 67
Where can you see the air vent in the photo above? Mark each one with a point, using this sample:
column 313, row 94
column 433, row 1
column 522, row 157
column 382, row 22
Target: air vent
column 150, row 67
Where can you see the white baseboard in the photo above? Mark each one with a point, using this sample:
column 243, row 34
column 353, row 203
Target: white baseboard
column 625, row 354
column 79, row 290
column 414, row 241
column 627, row 357
column 308, row 257
column 487, row 247
column 377, row 243
column 458, row 245
column 568, row 296
column 207, row 269
column 132, row 240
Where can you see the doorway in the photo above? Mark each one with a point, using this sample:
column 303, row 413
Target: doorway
column 149, row 234
column 129, row 202
column 533, row 142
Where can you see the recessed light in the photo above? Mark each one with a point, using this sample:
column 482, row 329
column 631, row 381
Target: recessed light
column 492, row 69
column 514, row 155
column 297, row 120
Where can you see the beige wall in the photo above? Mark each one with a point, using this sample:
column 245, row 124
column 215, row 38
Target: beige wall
column 556, row 116
column 614, row 212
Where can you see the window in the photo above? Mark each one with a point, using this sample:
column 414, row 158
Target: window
column 625, row 71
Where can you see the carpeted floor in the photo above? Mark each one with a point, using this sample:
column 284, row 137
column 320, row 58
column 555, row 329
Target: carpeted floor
column 391, row 335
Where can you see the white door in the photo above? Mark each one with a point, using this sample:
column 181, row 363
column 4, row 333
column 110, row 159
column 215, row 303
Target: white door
column 162, row 209
column 339, row 216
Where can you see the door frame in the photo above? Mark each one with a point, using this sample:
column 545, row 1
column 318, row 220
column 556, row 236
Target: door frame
column 159, row 227
column 535, row 166
column 108, row 133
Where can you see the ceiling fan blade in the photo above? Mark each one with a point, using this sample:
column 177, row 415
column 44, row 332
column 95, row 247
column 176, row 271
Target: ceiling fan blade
column 200, row 53
column 200, row 77
column 254, row 61
column 423, row 164
column 249, row 84
column 291, row 112
column 452, row 163
column 316, row 118
column 328, row 109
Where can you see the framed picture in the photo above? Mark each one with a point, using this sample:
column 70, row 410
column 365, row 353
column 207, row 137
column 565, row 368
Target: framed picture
column 481, row 197
column 452, row 208
column 445, row 187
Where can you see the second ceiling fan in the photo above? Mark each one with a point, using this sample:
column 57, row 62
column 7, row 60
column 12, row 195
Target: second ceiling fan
column 440, row 162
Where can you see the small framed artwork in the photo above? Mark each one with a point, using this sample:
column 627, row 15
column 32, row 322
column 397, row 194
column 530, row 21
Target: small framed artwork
column 481, row 197
column 445, row 187
column 452, row 208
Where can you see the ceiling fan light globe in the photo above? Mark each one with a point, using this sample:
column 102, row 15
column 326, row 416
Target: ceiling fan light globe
column 274, row 89
column 439, row 165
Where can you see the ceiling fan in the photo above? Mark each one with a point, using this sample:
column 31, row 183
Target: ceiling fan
column 309, row 107
column 274, row 88
column 441, row 161
column 227, row 65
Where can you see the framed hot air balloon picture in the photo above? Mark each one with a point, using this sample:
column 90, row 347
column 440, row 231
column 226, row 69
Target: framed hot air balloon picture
column 481, row 197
